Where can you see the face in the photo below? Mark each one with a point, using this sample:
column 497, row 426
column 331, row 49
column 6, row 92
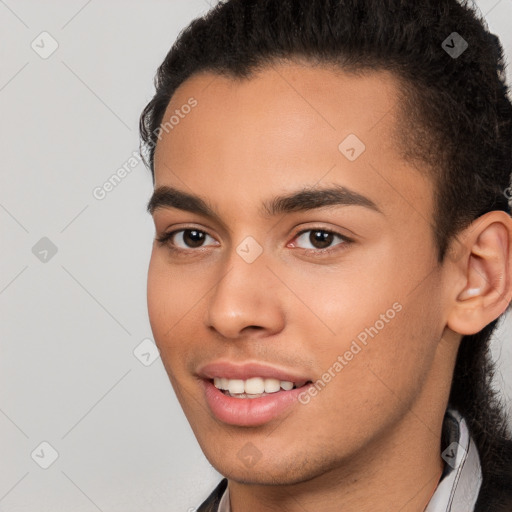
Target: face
column 310, row 260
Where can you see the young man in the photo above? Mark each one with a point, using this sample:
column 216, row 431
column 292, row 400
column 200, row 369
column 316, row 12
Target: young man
column 333, row 252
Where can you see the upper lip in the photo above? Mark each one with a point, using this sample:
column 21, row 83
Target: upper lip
column 246, row 371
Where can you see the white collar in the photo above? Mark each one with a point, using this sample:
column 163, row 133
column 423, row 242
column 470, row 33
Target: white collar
column 460, row 484
column 458, row 489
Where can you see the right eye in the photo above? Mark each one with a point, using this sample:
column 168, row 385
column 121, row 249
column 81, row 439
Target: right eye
column 190, row 238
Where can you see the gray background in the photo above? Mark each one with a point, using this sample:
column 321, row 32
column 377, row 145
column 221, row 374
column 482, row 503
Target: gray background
column 70, row 324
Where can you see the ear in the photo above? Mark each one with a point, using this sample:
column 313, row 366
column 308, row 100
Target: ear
column 483, row 273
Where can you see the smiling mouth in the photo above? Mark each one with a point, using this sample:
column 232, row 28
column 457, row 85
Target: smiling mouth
column 255, row 387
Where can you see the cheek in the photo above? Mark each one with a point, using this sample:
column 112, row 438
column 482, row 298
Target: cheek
column 169, row 298
column 157, row 295
column 368, row 385
column 400, row 340
column 176, row 311
column 385, row 333
column 170, row 292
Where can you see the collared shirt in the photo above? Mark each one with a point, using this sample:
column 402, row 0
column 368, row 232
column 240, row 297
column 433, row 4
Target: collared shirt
column 460, row 482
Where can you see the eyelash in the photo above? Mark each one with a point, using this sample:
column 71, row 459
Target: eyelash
column 166, row 237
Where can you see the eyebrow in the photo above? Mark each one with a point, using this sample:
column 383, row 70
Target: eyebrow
column 301, row 200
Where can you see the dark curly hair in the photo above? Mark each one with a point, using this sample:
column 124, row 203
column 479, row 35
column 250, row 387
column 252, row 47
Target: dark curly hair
column 455, row 118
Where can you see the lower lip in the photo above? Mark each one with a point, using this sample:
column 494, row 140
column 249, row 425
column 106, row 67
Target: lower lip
column 249, row 412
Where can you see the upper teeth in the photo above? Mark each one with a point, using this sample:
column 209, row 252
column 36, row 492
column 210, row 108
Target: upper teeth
column 253, row 386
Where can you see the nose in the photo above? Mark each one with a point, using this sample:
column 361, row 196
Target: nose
column 245, row 299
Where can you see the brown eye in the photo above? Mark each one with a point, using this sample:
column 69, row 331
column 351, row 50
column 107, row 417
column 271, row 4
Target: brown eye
column 320, row 239
column 183, row 239
column 192, row 237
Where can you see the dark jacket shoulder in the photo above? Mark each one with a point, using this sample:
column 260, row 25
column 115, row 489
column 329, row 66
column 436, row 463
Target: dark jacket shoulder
column 211, row 504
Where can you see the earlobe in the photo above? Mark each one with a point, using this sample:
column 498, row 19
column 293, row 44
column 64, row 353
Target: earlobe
column 485, row 272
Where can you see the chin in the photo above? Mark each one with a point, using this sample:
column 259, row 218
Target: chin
column 264, row 471
column 263, row 476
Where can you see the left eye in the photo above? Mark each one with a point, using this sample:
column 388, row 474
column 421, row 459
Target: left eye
column 320, row 238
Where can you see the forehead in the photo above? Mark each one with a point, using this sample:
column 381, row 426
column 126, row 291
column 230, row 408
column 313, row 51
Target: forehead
column 289, row 123
column 290, row 99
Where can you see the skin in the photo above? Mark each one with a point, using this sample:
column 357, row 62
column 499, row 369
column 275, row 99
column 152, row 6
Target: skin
column 370, row 440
